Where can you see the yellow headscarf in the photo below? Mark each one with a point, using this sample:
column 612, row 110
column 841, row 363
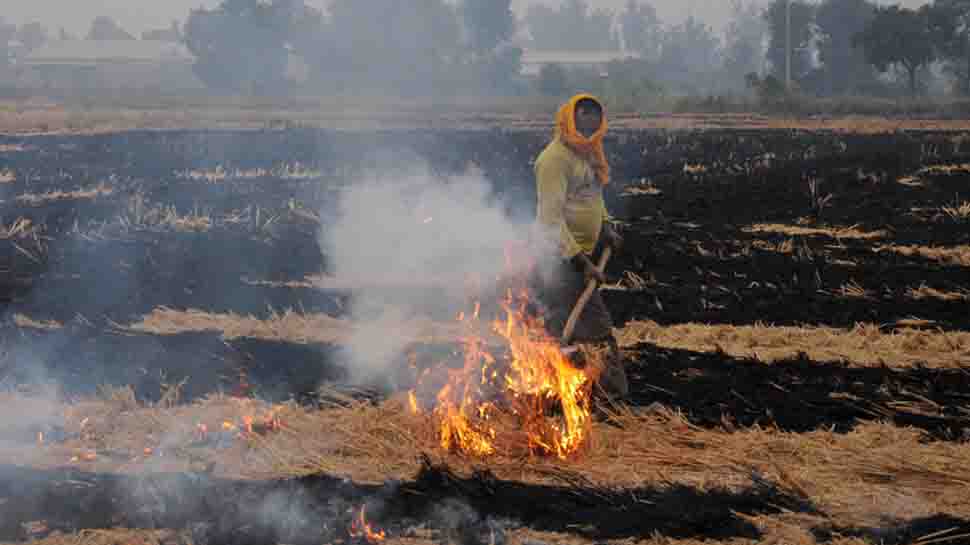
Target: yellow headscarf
column 590, row 149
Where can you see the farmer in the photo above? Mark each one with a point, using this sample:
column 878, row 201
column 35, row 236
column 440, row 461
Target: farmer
column 570, row 175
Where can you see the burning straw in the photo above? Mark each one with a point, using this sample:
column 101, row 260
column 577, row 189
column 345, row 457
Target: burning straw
column 527, row 397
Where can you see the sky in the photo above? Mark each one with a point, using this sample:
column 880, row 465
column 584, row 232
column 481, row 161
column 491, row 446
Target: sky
column 139, row 15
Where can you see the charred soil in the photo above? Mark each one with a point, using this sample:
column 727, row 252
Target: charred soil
column 185, row 264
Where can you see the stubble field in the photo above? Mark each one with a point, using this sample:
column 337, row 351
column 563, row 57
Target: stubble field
column 792, row 307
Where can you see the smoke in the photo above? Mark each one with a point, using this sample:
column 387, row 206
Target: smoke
column 461, row 523
column 413, row 245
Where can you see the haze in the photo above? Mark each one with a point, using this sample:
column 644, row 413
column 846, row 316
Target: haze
column 139, row 15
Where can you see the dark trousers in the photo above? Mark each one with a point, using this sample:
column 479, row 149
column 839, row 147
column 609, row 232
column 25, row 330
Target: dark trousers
column 558, row 288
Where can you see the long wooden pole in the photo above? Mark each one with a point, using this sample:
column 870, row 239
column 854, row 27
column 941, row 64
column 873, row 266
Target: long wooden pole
column 567, row 332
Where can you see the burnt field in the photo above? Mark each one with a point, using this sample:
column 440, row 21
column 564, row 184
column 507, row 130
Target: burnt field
column 792, row 305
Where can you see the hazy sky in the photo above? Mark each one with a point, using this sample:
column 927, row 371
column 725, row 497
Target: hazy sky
column 139, row 15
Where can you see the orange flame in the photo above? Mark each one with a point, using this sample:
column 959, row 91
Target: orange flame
column 533, row 379
column 359, row 528
column 413, row 403
column 201, row 431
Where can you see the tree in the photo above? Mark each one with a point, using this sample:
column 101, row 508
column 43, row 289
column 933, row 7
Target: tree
column 898, row 37
column 32, row 35
column 242, row 44
column 744, row 47
column 105, row 28
column 843, row 64
column 497, row 71
column 572, row 26
column 171, row 34
column 492, row 61
column 802, row 32
column 553, row 80
column 406, row 48
column 488, row 23
column 7, row 32
column 949, row 22
column 641, row 30
column 689, row 56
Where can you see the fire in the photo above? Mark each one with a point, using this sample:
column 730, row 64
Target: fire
column 361, row 529
column 531, row 379
column 85, row 457
column 201, row 432
column 413, row 403
column 247, row 426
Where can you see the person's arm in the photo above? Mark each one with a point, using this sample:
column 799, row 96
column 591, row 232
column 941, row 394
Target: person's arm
column 604, row 211
column 611, row 235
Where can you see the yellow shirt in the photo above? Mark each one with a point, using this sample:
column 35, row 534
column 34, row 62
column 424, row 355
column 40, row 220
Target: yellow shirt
column 571, row 208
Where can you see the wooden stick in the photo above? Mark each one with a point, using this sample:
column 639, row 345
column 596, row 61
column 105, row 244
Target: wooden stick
column 567, row 332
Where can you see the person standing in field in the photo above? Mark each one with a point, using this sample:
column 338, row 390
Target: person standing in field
column 571, row 173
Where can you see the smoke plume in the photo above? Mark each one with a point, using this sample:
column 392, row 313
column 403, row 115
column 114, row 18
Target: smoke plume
column 414, row 244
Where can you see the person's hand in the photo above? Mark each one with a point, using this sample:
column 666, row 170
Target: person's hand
column 589, row 268
column 612, row 237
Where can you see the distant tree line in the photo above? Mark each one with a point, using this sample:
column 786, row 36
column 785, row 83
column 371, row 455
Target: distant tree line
column 31, row 36
column 858, row 47
column 407, row 47
column 475, row 47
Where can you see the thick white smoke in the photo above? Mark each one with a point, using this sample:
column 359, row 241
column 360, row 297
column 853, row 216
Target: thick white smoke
column 410, row 242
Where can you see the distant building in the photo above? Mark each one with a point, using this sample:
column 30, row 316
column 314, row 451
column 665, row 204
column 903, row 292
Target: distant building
column 533, row 60
column 110, row 64
column 14, row 51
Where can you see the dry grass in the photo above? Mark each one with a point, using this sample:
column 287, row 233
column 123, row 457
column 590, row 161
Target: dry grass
column 142, row 215
column 838, row 473
column 293, row 284
column 926, row 292
column 21, row 228
column 952, row 255
column 362, row 283
column 841, row 475
column 835, row 232
column 116, row 112
column 118, row 536
column 775, row 533
column 854, row 290
column 958, row 211
column 645, row 187
column 296, row 327
column 115, row 433
column 960, row 168
column 287, row 326
column 864, row 345
column 24, row 321
column 169, row 217
column 373, row 443
column 26, row 238
column 287, row 171
column 911, row 181
column 100, row 190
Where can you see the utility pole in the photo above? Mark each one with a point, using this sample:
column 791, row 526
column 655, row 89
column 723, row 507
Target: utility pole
column 788, row 46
